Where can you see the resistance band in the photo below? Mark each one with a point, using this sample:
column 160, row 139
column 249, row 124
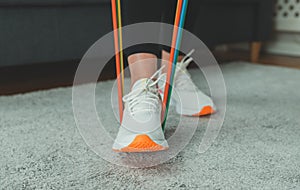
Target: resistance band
column 116, row 13
column 176, row 41
column 120, row 42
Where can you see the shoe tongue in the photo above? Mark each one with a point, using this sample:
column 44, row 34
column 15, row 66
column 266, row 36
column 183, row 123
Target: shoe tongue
column 162, row 82
column 180, row 69
column 140, row 83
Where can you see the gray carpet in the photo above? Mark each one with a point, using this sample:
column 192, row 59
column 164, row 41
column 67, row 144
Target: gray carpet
column 258, row 147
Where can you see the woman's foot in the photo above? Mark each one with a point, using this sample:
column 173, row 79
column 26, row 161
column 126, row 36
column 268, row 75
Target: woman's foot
column 141, row 129
column 186, row 96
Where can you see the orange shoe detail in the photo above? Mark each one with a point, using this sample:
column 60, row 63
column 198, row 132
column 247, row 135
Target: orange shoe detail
column 207, row 110
column 143, row 143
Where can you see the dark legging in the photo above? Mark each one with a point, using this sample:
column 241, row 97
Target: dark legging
column 137, row 11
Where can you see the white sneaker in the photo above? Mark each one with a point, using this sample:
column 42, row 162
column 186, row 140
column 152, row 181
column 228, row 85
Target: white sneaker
column 186, row 96
column 141, row 129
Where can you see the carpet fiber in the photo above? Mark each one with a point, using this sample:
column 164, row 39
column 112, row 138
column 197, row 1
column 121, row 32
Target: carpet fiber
column 257, row 148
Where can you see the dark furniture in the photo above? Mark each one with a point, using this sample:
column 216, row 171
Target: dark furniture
column 35, row 31
column 232, row 21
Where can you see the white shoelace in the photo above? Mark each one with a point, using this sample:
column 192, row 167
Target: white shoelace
column 145, row 99
column 183, row 78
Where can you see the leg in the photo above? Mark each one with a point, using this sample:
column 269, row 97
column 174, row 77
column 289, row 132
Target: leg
column 141, row 130
column 188, row 99
column 255, row 50
column 165, row 56
column 141, row 65
column 189, row 25
column 142, row 58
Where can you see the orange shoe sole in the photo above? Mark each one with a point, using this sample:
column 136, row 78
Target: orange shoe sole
column 207, row 110
column 142, row 143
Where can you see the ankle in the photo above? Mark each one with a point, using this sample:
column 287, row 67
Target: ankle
column 142, row 65
column 165, row 60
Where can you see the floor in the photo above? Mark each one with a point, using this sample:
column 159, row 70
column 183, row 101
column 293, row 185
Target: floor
column 257, row 148
column 33, row 77
column 265, row 58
